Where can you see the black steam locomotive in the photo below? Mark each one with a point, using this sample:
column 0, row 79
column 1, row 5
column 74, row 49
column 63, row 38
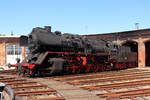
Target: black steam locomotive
column 55, row 53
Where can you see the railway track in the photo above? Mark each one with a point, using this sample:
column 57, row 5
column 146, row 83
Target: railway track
column 126, row 94
column 132, row 84
column 125, row 84
column 118, row 85
column 97, row 74
column 24, row 89
column 8, row 72
column 117, row 78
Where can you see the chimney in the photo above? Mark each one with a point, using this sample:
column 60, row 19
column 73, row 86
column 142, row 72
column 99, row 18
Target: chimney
column 136, row 26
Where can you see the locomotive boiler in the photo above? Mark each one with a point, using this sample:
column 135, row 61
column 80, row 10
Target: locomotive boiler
column 52, row 53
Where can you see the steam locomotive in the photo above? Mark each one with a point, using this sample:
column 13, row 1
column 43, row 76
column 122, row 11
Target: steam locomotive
column 54, row 53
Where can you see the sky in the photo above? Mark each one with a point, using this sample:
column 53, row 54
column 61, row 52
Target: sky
column 73, row 16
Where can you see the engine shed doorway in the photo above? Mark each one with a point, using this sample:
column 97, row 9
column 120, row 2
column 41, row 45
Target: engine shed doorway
column 133, row 45
column 147, row 53
column 134, row 49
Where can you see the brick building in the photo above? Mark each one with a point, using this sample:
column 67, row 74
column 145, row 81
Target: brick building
column 10, row 50
column 138, row 40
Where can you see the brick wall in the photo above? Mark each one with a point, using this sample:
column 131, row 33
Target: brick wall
column 2, row 54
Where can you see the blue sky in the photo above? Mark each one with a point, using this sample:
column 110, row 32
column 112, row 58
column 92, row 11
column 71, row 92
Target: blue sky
column 73, row 16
